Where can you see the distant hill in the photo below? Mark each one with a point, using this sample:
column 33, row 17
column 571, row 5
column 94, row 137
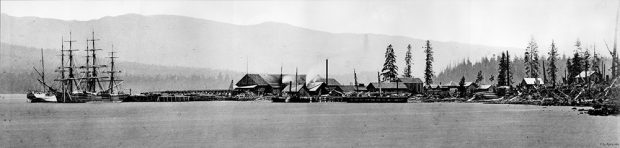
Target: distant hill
column 17, row 74
column 190, row 42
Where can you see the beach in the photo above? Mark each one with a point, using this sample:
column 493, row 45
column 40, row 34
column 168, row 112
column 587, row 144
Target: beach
column 263, row 124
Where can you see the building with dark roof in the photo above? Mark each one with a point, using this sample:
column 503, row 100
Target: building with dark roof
column 388, row 87
column 415, row 85
column 268, row 83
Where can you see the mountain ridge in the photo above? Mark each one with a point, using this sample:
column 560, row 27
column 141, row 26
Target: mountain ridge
column 162, row 39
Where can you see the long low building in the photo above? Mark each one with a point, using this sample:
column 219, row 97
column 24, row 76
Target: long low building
column 402, row 85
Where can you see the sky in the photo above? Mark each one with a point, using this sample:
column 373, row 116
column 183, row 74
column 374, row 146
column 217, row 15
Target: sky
column 503, row 23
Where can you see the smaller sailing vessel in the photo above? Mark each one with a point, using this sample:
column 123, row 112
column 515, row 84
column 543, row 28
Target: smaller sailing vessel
column 47, row 93
column 109, row 92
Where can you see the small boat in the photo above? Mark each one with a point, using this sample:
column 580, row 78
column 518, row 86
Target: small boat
column 47, row 95
column 35, row 96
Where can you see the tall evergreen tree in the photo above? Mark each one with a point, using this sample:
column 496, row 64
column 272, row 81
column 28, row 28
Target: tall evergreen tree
column 501, row 76
column 508, row 70
column 480, row 77
column 586, row 60
column 553, row 69
column 578, row 62
column 576, row 65
column 390, row 70
column 531, row 59
column 408, row 62
column 492, row 78
column 428, row 71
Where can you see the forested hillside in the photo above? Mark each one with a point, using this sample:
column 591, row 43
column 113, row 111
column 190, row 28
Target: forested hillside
column 490, row 65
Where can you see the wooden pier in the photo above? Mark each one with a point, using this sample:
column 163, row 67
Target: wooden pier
column 376, row 99
column 173, row 99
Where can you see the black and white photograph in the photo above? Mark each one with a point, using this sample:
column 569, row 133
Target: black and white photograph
column 310, row 73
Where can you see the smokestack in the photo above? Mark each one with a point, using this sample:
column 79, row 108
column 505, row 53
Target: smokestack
column 326, row 72
column 296, row 79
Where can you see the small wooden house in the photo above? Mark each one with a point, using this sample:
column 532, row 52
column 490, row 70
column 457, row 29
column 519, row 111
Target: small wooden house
column 532, row 83
column 415, row 85
column 470, row 88
column 486, row 88
column 590, row 75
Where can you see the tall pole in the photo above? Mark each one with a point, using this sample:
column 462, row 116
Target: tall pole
column 42, row 69
column 87, row 67
column 296, row 79
column 280, row 84
column 614, row 58
column 62, row 68
column 355, row 79
column 326, row 72
column 379, row 82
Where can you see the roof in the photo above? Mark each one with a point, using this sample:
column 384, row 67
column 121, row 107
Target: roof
column 350, row 88
column 410, row 80
column 583, row 74
column 331, row 81
column 532, row 81
column 256, row 78
column 247, row 87
column 293, row 88
column 274, row 79
column 314, row 86
column 389, row 85
column 469, row 83
column 451, row 84
column 485, row 86
column 433, row 86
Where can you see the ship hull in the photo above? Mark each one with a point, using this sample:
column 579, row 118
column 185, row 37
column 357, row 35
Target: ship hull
column 86, row 97
column 41, row 97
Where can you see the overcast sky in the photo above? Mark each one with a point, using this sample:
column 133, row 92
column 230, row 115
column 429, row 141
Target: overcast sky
column 506, row 23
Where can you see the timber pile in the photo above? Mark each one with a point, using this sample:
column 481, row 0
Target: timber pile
column 610, row 101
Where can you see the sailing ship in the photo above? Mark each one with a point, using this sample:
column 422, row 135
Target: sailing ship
column 80, row 84
column 47, row 93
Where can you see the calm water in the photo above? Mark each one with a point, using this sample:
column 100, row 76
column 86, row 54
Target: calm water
column 253, row 124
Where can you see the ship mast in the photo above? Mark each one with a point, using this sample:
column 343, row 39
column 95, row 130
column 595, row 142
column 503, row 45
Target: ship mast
column 112, row 71
column 42, row 70
column 62, row 68
column 71, row 78
column 87, row 67
column 92, row 75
